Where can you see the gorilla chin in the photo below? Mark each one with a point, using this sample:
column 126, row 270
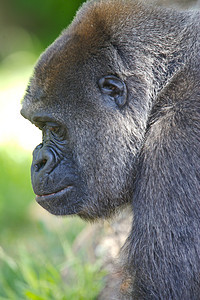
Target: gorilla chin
column 60, row 203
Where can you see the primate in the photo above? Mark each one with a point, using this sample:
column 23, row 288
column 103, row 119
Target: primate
column 176, row 3
column 117, row 97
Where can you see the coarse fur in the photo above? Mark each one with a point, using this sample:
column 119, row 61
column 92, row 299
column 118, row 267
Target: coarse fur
column 176, row 3
column 118, row 100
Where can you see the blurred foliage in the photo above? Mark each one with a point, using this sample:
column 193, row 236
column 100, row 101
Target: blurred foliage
column 33, row 23
column 54, row 272
column 15, row 187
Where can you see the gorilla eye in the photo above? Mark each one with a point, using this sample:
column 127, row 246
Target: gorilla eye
column 39, row 125
column 57, row 130
column 114, row 89
column 54, row 129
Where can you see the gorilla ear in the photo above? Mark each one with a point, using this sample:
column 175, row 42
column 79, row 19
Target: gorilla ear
column 114, row 89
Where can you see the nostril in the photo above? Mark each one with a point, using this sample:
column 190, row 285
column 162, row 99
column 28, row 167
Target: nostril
column 40, row 165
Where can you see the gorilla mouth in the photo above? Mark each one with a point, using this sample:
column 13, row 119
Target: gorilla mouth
column 40, row 198
column 63, row 202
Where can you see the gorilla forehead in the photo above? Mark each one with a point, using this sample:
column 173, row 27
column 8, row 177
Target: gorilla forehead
column 65, row 73
column 83, row 53
column 75, row 56
column 90, row 36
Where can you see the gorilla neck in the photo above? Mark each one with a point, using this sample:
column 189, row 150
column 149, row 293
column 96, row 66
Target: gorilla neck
column 164, row 241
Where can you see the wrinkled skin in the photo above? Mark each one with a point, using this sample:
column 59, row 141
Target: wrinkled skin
column 117, row 99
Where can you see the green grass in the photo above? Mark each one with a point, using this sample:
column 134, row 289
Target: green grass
column 37, row 261
column 37, row 274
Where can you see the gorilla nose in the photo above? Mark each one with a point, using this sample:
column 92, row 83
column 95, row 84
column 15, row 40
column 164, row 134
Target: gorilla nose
column 40, row 165
column 42, row 159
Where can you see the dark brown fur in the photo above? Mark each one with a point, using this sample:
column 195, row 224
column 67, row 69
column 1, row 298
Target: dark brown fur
column 133, row 141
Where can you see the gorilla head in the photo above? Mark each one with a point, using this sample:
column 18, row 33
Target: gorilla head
column 92, row 114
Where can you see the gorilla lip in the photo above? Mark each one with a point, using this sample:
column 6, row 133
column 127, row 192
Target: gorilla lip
column 47, row 196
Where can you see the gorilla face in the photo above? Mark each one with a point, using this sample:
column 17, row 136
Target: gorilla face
column 92, row 131
column 85, row 163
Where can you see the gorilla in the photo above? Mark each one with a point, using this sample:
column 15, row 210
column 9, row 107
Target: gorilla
column 176, row 3
column 117, row 97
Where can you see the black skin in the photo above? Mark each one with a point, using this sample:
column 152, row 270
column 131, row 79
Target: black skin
column 117, row 99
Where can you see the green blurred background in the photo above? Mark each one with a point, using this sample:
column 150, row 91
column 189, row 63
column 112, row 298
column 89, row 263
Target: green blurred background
column 36, row 256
